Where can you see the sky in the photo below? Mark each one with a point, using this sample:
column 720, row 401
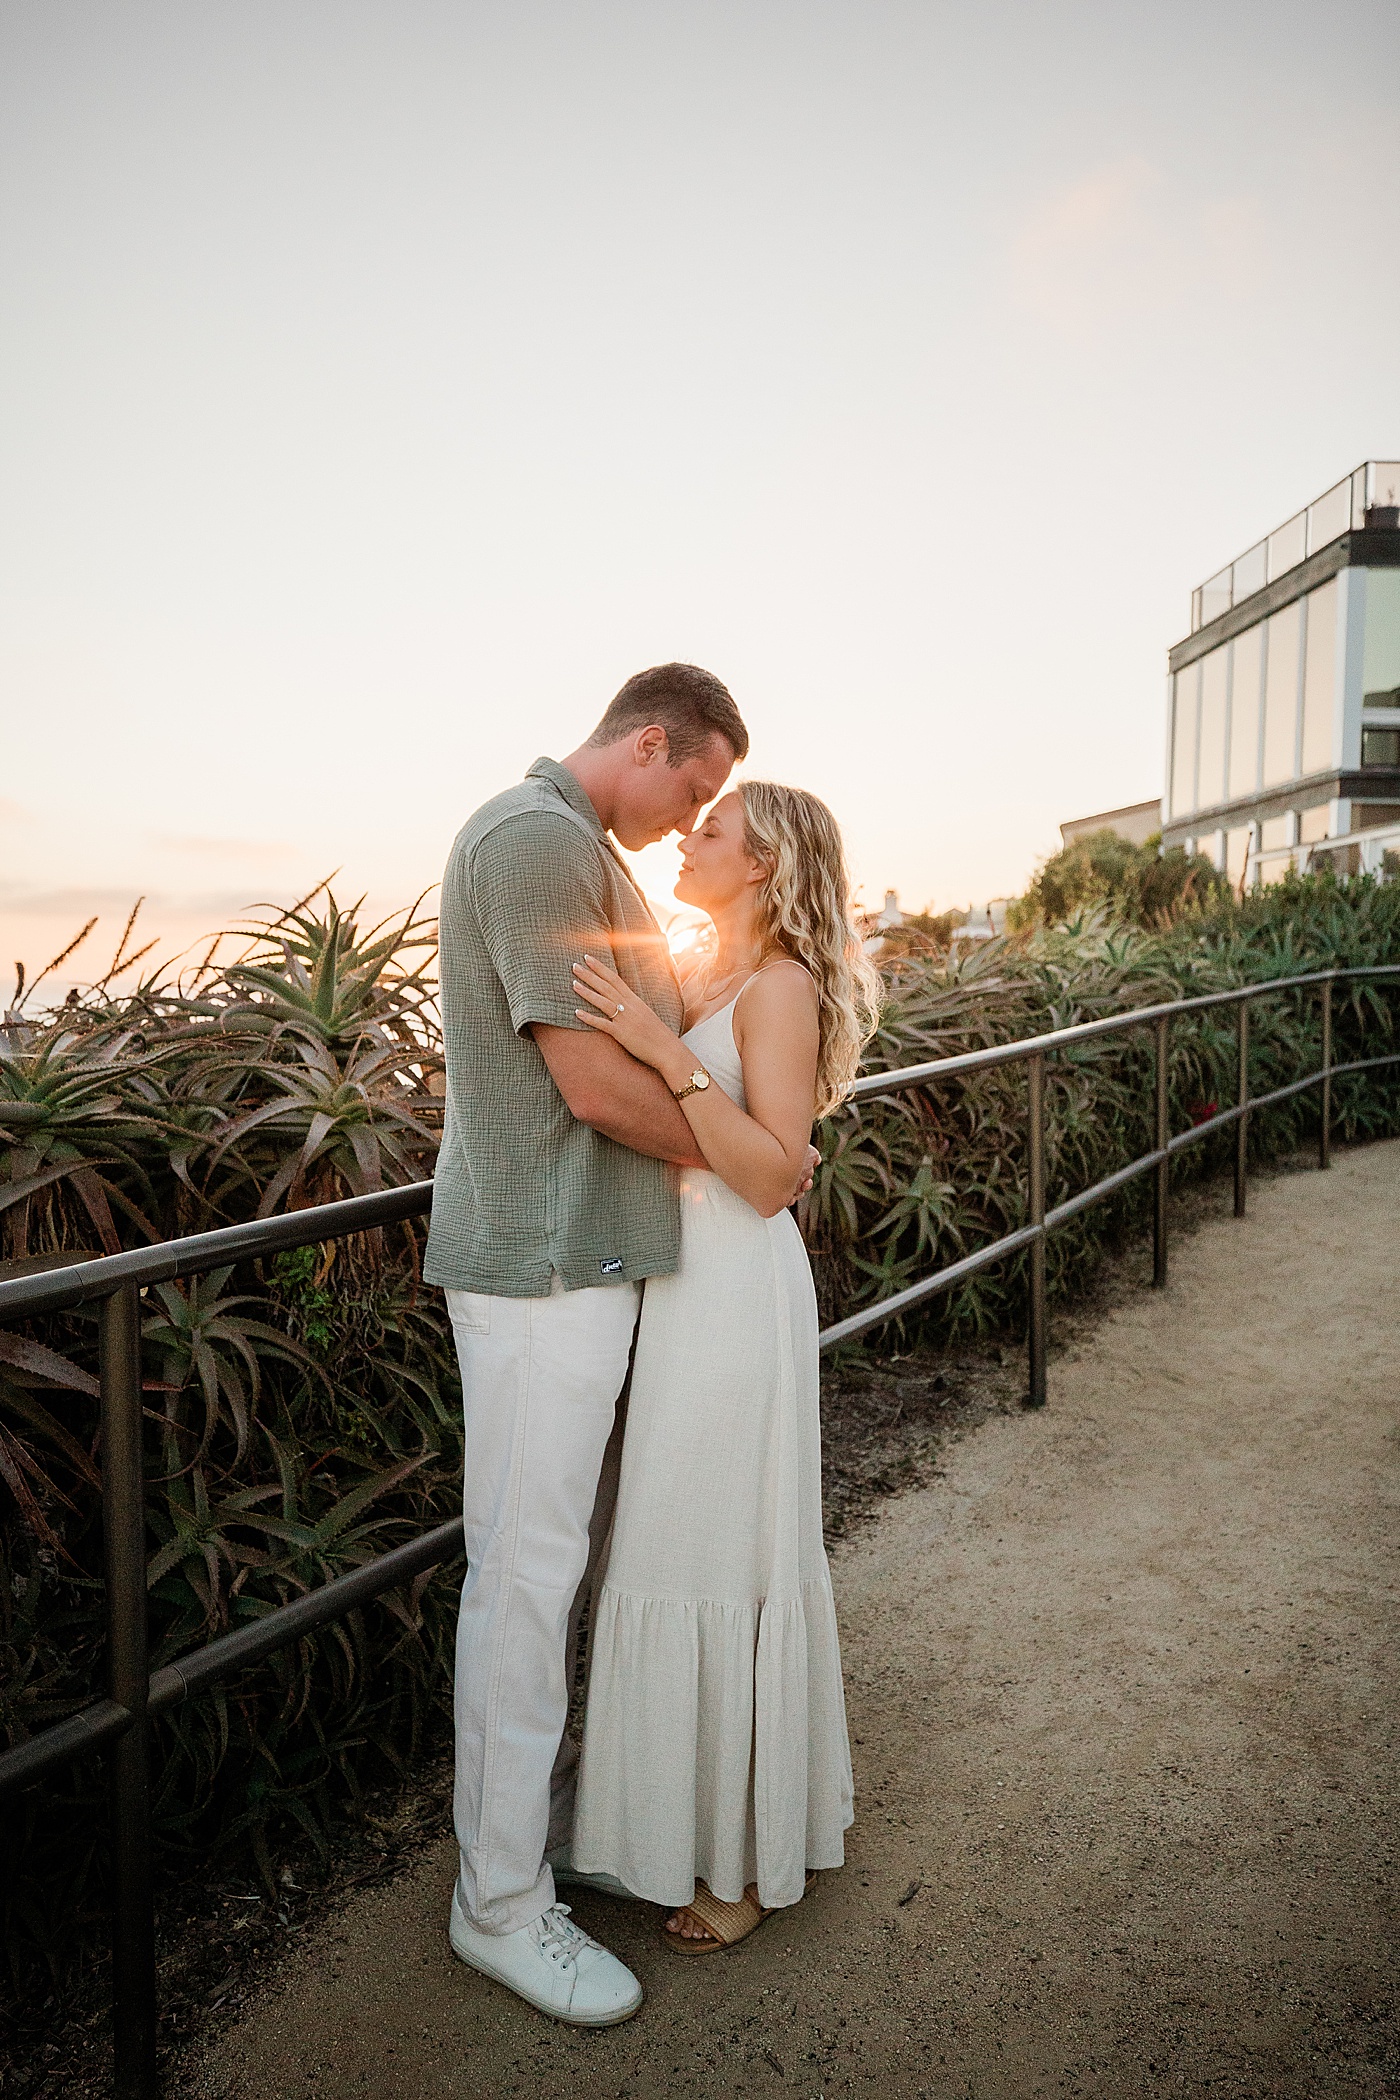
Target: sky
column 383, row 381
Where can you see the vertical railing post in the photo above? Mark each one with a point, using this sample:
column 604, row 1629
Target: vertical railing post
column 1324, row 1134
column 1035, row 1134
column 1242, row 1097
column 1161, row 1177
column 124, row 1531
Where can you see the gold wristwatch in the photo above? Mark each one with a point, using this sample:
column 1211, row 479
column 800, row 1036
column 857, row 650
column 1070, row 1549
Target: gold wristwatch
column 699, row 1080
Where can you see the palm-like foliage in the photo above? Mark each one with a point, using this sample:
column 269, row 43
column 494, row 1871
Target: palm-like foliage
column 74, row 1102
column 910, row 1181
column 304, row 1415
column 301, row 1419
column 321, row 977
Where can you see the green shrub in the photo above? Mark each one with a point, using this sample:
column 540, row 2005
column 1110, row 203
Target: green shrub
column 1139, row 885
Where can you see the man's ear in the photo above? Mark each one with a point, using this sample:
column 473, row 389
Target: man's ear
column 650, row 744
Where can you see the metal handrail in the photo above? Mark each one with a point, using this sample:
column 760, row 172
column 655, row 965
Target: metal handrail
column 62, row 1290
column 1108, row 1024
column 115, row 1282
column 1034, row 1050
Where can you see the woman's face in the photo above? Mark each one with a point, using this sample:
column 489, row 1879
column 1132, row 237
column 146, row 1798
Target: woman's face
column 716, row 866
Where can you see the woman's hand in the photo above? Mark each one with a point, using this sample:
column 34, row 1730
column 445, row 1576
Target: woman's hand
column 615, row 1009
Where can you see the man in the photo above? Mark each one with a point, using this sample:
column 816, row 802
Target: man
column 554, row 1198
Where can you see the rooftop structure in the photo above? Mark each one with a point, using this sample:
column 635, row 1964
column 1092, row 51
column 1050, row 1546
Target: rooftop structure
column 1136, row 823
column 1283, row 718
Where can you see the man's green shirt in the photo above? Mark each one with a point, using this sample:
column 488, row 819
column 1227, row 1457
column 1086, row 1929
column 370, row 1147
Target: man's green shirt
column 523, row 1190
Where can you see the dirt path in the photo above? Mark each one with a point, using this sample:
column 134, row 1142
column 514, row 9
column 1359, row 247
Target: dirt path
column 1122, row 1694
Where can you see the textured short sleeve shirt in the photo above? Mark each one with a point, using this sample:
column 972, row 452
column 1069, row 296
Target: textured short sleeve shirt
column 523, row 1190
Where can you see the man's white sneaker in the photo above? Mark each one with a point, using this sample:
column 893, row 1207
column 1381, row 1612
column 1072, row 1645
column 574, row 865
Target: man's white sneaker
column 552, row 1964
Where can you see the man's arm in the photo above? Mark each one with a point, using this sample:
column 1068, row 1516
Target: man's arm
column 616, row 1095
column 612, row 1093
column 538, row 896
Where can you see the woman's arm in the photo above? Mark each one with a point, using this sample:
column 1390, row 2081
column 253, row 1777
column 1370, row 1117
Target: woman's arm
column 761, row 1155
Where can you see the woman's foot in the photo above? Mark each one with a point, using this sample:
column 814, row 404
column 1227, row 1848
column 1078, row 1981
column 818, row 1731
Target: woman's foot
column 685, row 1925
column 707, row 1925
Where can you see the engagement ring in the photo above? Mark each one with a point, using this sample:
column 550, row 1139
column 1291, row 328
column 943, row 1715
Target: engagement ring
column 620, row 1007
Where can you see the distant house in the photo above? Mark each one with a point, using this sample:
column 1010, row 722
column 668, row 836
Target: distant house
column 874, row 925
column 1137, row 823
column 975, row 922
column 984, row 921
column 1283, row 716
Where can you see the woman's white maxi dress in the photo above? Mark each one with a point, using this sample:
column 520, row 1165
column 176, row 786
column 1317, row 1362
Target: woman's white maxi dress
column 715, row 1740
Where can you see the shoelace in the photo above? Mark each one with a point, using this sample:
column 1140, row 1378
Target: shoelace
column 559, row 1937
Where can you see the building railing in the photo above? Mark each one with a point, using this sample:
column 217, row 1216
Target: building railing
column 114, row 1283
column 1369, row 494
column 1375, row 851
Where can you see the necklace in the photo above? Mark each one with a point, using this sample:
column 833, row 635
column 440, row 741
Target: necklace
column 714, row 984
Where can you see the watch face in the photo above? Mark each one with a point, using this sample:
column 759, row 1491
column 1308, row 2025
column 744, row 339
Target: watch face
column 700, row 1080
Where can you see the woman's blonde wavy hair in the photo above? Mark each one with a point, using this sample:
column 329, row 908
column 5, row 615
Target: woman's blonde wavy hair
column 804, row 912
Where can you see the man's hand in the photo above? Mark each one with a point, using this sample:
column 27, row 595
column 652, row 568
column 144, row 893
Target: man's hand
column 809, row 1173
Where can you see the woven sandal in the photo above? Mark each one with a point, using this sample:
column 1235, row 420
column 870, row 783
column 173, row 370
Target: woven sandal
column 728, row 1923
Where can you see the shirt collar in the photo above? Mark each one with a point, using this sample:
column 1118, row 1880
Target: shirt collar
column 564, row 783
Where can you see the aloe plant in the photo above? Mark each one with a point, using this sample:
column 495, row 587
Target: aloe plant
column 73, row 1108
column 305, row 1414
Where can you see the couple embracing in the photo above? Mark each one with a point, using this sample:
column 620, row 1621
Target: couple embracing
column 637, row 1332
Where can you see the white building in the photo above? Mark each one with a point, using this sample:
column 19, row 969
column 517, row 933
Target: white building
column 1137, row 823
column 1283, row 717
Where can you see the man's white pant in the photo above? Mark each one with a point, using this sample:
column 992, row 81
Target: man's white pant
column 540, row 1384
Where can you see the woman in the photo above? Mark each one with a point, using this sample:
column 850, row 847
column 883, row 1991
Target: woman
column 715, row 1772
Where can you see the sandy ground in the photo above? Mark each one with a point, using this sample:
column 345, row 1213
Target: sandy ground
column 1124, row 1741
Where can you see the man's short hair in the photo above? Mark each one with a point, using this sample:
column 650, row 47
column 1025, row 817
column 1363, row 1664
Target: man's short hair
column 690, row 704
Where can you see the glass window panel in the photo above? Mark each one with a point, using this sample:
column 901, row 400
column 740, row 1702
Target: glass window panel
column 1380, row 673
column 1330, row 516
column 1380, row 747
column 1320, row 678
column 1215, row 597
column 1244, row 712
column 1187, row 684
column 1312, row 824
column 1358, row 500
column 1281, row 696
column 1210, row 773
column 1383, row 495
column 1288, row 545
column 1250, row 572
